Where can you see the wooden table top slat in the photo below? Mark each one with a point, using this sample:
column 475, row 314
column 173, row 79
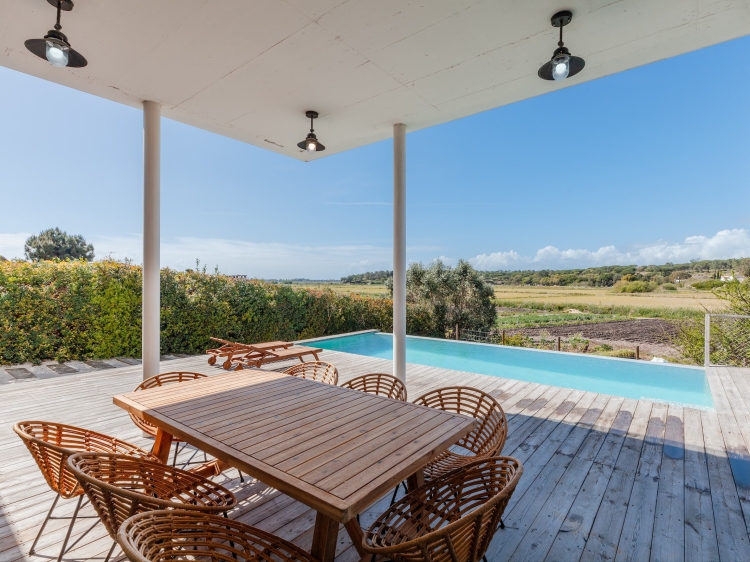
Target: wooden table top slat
column 254, row 385
column 384, row 450
column 298, row 432
column 332, row 448
column 313, row 450
column 241, row 410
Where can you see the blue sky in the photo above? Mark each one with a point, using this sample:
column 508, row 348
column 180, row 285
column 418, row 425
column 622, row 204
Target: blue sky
column 646, row 166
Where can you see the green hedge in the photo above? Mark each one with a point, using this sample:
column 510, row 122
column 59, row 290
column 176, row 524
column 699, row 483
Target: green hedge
column 79, row 310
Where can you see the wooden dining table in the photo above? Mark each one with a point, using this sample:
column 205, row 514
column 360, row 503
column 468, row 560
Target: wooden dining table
column 333, row 449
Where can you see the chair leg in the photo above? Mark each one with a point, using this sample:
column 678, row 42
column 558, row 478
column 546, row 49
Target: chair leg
column 502, row 524
column 176, row 449
column 484, row 559
column 241, row 478
column 111, row 549
column 41, row 529
column 393, row 499
column 70, row 528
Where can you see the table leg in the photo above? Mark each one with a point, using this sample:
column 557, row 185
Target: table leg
column 415, row 480
column 355, row 533
column 162, row 444
column 324, row 538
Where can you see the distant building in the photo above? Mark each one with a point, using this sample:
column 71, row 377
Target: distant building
column 237, row 276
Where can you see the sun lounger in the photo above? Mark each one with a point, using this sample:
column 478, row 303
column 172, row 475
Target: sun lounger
column 231, row 349
column 271, row 356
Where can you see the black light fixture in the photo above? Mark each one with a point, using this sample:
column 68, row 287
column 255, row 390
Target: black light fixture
column 562, row 64
column 311, row 143
column 55, row 47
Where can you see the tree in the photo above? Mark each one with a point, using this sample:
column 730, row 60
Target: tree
column 439, row 297
column 54, row 243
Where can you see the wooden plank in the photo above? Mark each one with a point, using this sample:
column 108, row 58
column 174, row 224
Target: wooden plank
column 546, row 471
column 637, row 532
column 542, row 531
column 607, row 528
column 733, row 415
column 731, row 532
column 668, row 542
column 700, row 530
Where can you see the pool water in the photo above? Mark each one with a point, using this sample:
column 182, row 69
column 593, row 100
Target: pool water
column 673, row 384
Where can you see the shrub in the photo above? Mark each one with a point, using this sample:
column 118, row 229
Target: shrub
column 669, row 287
column 518, row 340
column 634, row 287
column 708, row 285
column 80, row 310
column 621, row 353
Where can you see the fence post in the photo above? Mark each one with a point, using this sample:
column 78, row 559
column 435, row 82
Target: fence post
column 558, row 343
column 503, row 337
column 707, row 343
column 637, row 351
column 456, row 332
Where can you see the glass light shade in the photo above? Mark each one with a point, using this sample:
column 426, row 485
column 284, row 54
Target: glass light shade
column 312, row 146
column 57, row 53
column 560, row 67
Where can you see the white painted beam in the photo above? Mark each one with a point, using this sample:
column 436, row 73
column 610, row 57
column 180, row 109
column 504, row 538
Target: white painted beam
column 399, row 251
column 151, row 321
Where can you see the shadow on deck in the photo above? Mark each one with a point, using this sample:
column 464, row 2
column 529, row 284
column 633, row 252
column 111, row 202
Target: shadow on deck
column 605, row 477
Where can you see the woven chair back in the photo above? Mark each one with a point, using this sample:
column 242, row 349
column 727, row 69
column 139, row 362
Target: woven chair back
column 489, row 437
column 315, row 370
column 451, row 519
column 120, row 486
column 380, row 384
column 165, row 536
column 161, row 380
column 52, row 443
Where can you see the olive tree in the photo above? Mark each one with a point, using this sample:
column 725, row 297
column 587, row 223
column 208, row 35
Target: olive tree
column 54, row 243
column 439, row 297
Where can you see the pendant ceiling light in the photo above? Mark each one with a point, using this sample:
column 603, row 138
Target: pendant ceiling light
column 55, row 47
column 562, row 64
column 311, row 143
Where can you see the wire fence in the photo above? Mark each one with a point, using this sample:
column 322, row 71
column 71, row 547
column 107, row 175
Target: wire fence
column 727, row 340
column 574, row 343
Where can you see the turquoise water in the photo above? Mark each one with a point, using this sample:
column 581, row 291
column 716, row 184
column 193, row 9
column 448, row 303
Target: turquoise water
column 621, row 377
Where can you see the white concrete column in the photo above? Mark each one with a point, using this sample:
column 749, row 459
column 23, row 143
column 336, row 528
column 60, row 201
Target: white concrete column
column 399, row 251
column 150, row 320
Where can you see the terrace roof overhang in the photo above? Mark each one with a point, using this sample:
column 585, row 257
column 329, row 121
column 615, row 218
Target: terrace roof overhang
column 250, row 70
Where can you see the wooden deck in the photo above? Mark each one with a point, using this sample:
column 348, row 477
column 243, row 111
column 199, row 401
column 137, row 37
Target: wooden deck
column 605, row 477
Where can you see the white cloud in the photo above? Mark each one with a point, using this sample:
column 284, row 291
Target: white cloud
column 276, row 260
column 265, row 260
column 11, row 245
column 734, row 243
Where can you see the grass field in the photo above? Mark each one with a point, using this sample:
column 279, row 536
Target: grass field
column 691, row 299
column 365, row 290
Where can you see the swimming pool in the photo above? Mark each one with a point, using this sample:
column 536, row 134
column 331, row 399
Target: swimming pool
column 621, row 377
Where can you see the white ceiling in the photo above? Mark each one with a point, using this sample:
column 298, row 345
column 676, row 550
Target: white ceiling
column 248, row 69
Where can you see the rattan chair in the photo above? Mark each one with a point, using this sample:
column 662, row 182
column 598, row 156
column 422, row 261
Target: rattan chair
column 315, row 370
column 451, row 519
column 380, row 384
column 51, row 444
column 161, row 380
column 166, row 535
column 119, row 486
column 487, row 440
